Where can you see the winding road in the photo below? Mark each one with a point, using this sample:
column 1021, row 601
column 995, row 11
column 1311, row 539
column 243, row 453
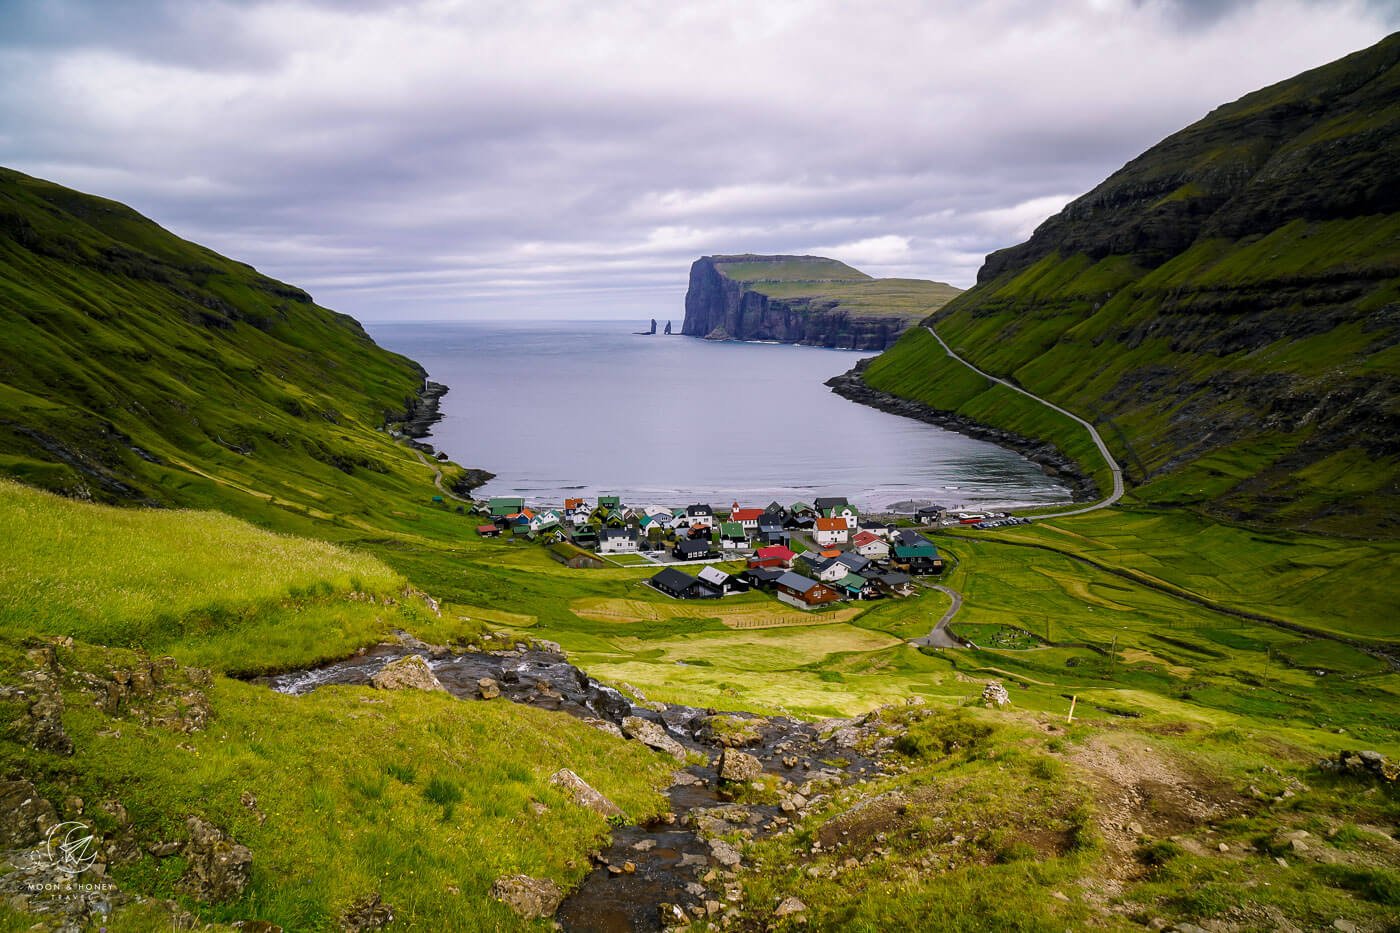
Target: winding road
column 1113, row 466
column 437, row 477
column 939, row 636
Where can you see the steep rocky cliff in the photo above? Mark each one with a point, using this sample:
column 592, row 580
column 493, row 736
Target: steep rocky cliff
column 803, row 299
column 1227, row 305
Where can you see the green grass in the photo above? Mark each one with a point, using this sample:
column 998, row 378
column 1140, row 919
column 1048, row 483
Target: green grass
column 812, row 283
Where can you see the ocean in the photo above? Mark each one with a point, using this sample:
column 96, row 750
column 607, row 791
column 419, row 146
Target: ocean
column 583, row 408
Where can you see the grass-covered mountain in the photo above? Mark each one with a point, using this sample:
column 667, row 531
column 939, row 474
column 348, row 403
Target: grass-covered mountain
column 1226, row 306
column 803, row 299
column 140, row 367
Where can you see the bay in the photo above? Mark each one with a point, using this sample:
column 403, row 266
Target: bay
column 583, row 408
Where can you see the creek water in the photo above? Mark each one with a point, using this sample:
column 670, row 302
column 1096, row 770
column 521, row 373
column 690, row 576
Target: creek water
column 677, row 875
column 583, row 408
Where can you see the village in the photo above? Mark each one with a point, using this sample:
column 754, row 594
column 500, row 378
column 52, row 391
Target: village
column 808, row 555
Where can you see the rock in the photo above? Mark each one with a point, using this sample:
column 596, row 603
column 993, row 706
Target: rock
column 653, row 736
column 407, row 673
column 370, row 913
column 487, row 688
column 1061, row 896
column 995, row 695
column 731, row 731
column 219, row 868
column 579, row 791
column 256, row 926
column 724, row 853
column 1297, row 845
column 1345, row 926
column 738, row 767
column 602, row 725
column 685, row 779
column 530, row 898
column 24, row 816
column 1223, row 847
column 790, row 907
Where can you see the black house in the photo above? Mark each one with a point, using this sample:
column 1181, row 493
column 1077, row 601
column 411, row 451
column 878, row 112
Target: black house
column 673, row 582
column 823, row 503
column 762, row 577
column 693, row 549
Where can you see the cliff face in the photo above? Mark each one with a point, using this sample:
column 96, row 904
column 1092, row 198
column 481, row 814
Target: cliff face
column 1226, row 306
column 803, row 299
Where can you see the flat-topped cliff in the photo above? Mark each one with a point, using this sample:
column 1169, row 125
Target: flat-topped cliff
column 804, row 299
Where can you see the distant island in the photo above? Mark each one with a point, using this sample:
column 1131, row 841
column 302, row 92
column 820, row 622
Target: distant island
column 804, row 299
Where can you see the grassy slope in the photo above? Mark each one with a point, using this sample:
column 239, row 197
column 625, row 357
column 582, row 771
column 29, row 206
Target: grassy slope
column 342, row 775
column 827, row 283
column 1249, row 369
column 238, row 391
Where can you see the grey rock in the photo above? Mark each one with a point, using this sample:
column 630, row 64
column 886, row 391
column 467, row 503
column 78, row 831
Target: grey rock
column 653, row 736
column 219, row 868
column 530, row 898
column 407, row 673
column 580, row 792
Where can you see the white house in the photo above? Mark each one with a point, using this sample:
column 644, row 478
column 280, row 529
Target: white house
column 618, row 541
column 846, row 513
column 699, row 514
column 869, row 544
column 831, row 531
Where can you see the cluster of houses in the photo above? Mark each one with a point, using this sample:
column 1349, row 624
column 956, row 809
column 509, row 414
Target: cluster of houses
column 849, row 560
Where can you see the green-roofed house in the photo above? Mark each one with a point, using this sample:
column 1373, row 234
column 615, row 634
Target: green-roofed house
column 610, row 502
column 505, row 505
column 853, row 586
column 918, row 558
column 801, row 510
column 732, row 536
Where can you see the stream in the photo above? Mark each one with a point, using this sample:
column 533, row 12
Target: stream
column 671, row 871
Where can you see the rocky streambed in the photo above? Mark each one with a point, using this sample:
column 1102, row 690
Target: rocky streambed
column 738, row 777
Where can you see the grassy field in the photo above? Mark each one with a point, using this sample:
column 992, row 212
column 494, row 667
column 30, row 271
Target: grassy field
column 826, row 283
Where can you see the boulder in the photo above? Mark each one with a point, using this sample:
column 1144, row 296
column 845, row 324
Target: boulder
column 407, row 673
column 730, row 731
column 24, row 815
column 530, row 898
column 995, row 695
column 579, row 791
column 219, row 868
column 653, row 736
column 487, row 688
column 370, row 913
column 790, row 907
column 724, row 853
column 738, row 767
column 602, row 725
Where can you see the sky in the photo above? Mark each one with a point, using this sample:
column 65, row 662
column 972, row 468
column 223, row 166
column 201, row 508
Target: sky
column 435, row 159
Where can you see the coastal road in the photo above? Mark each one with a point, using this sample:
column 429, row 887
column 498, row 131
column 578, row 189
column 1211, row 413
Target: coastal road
column 437, row 477
column 1093, row 432
column 939, row 636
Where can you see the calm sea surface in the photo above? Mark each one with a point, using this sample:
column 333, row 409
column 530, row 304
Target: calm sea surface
column 585, row 408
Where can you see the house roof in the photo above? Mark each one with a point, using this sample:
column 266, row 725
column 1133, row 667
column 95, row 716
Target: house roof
column 610, row 533
column 609, row 500
column 863, row 538
column 831, row 502
column 506, row 501
column 766, row 574
column 856, row 562
column 796, row 581
column 694, row 545
column 831, row 553
column 852, row 581
column 731, row 530
column 925, row 549
column 778, row 551
column 894, row 579
column 714, row 576
column 745, row 515
column 487, row 529
column 831, row 524
column 775, row 506
column 572, row 503
column 673, row 579
column 799, row 507
column 699, row 508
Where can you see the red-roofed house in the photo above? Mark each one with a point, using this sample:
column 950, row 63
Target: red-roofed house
column 746, row 517
column 775, row 556
column 831, row 531
column 870, row 545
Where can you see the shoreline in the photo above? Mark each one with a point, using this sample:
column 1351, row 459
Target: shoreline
column 849, row 385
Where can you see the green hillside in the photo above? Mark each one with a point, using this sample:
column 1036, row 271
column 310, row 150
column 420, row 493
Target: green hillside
column 1223, row 306
column 139, row 367
column 828, row 283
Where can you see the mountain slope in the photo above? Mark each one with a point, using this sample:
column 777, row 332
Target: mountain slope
column 141, row 367
column 803, row 299
column 1226, row 306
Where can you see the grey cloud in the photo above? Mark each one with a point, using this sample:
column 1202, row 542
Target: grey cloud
column 431, row 158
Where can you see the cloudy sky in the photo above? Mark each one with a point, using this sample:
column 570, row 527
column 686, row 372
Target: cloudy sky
column 503, row 158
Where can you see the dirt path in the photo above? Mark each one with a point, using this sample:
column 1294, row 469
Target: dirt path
column 1113, row 466
column 437, row 477
column 939, row 636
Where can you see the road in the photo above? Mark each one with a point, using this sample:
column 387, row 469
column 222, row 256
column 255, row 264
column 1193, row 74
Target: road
column 437, row 477
column 1093, row 432
column 938, row 637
